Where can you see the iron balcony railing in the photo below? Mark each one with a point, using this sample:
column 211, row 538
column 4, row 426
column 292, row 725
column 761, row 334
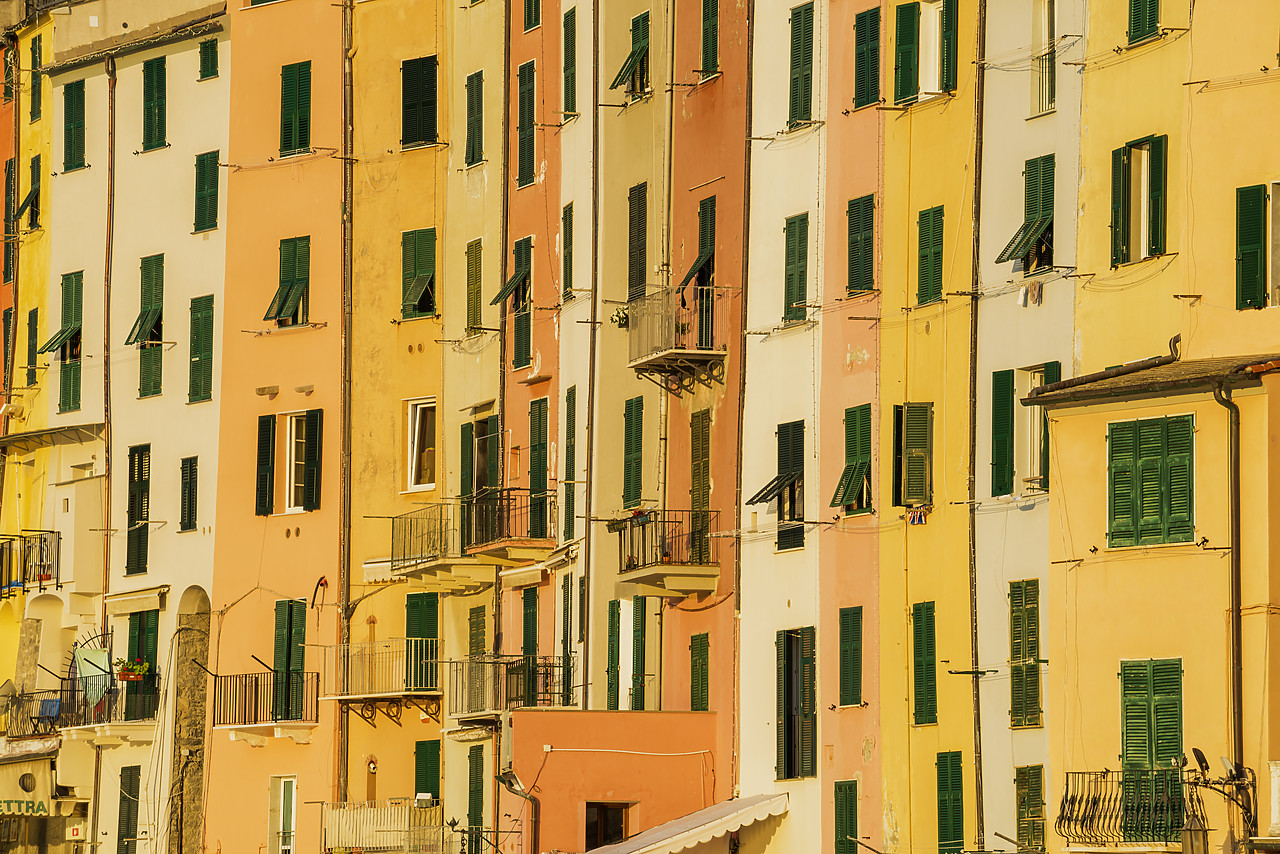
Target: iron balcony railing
column 1103, row 808
column 97, row 700
column 425, row 535
column 250, row 699
column 388, row 668
column 489, row 684
column 29, row 559
column 34, row 714
column 507, row 514
column 1046, row 73
column 693, row 318
column 677, row 537
column 393, row 825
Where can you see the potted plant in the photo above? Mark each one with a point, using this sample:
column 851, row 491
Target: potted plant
column 131, row 671
column 619, row 318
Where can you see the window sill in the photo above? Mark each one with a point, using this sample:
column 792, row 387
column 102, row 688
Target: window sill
column 291, row 511
column 298, row 152
column 467, row 167
column 1048, row 112
column 418, row 490
column 865, row 511
column 869, row 106
column 1185, row 544
column 779, row 551
column 1026, row 726
column 419, row 146
column 411, row 318
column 1142, row 260
column 536, row 26
column 862, row 705
column 205, row 230
column 252, row 5
column 147, row 149
column 526, row 184
column 188, row 530
column 201, row 400
column 705, row 79
column 69, row 170
column 924, row 724
column 210, row 77
column 148, row 396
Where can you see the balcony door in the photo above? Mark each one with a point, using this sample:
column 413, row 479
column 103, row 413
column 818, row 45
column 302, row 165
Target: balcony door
column 421, row 626
column 1152, row 804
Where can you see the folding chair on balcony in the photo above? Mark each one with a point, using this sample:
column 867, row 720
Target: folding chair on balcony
column 48, row 713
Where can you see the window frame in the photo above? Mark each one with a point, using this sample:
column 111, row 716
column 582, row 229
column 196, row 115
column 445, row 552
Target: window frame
column 1117, row 468
column 283, row 790
column 208, row 59
column 1044, row 58
column 1144, row 218
column 602, row 838
column 416, row 409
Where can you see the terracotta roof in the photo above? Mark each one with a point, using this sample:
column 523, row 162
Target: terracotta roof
column 1173, row 376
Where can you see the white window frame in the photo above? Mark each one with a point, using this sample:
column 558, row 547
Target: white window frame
column 1272, row 271
column 413, row 420
column 929, row 80
column 295, row 422
column 1028, row 433
column 1140, row 201
column 283, row 791
column 1043, row 54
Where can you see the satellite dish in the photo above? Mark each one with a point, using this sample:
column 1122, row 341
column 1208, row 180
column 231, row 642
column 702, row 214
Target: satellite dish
column 1226, row 763
column 1200, row 760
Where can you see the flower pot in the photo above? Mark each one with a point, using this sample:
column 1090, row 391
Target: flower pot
column 44, row 576
column 130, row 677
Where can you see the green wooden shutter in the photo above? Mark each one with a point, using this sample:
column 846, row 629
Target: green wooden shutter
column 570, row 460
column 866, row 58
column 1047, row 170
column 851, row 656
column 781, row 724
column 1179, row 524
column 1017, row 654
column 846, row 815
column 8, row 346
column 466, row 451
column 311, row 459
column 532, row 14
column 950, row 803
column 1029, row 798
column 906, row 68
column 637, row 211
column 1144, row 17
column 700, row 460
column 611, row 667
column 429, row 121
column 475, row 117
column 208, row 59
column 800, row 101
column 73, row 125
column 33, row 211
column 475, row 787
column 539, row 521
column 426, row 768
column 1157, row 193
column 523, row 308
column 570, row 59
column 280, row 661
column 1251, row 247
column 566, row 639
column 566, row 244
column 206, row 191
column 37, row 79
column 265, row 484
column 1002, row 471
column 529, row 636
column 917, row 447
column 710, row 37
column 639, row 621
column 187, row 515
column 1166, row 712
column 949, row 46
column 473, row 285
column 795, row 268
column 524, row 125
column 1135, row 715
column 33, row 344
column 924, row 659
column 412, row 84
column 632, row 451
column 10, row 225
column 475, row 631
column 138, row 509
column 200, row 381
column 1151, row 500
column 699, row 663
column 861, row 225
column 929, row 285
column 808, row 765
column 295, row 107
column 582, row 609
column 154, row 119
column 127, row 823
column 1052, row 374
column 1120, row 160
column 297, row 656
column 1122, row 458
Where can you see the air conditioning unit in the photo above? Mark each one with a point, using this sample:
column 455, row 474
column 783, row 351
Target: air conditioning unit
column 508, row 743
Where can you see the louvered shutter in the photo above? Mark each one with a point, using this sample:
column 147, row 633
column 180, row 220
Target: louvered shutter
column 929, row 286
column 808, row 705
column 311, row 459
column 570, row 60
column 154, row 119
column 781, row 722
column 523, row 334
column 924, row 657
column 426, row 258
column 1122, row 454
column 791, row 461
column 473, row 284
column 866, row 58
column 846, row 815
column 208, row 59
column 187, row 511
column 466, row 450
column 917, row 443
column 1251, row 247
column 795, row 269
column 861, row 225
column 475, row 790
column 529, row 636
column 950, row 803
column 1135, row 715
column 611, row 666
column 1002, row 433
column 127, row 822
column 297, row 655
column 73, row 125
column 1017, row 654
column 570, row 461
column 8, row 347
column 475, row 118
column 1157, row 194
column 1047, row 170
column 139, row 500
column 637, row 211
column 566, row 640
column 265, row 486
column 475, row 631
column 639, row 620
column 1120, row 203
column 799, row 108
column 699, row 662
column 906, row 69
column 412, row 83
column 426, row 768
column 289, row 109
column 206, row 191
column 1152, row 502
column 1052, row 374
column 1166, row 712
column 524, row 127
column 710, row 37
column 566, row 244
column 200, row 380
column 851, row 656
column 33, row 344
column 280, row 662
column 1179, row 479
column 36, row 89
column 700, row 486
column 10, row 226
column 633, row 451
column 1031, row 651
column 582, row 609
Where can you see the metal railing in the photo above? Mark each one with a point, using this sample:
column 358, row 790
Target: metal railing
column 425, row 535
column 396, row 824
column 29, row 559
column 247, row 699
column 692, row 318
column 508, row 514
column 96, row 700
column 488, row 684
column 476, row 686
column 1131, row 806
column 34, row 714
column 1045, row 68
column 538, row 680
column 655, row 537
column 393, row 667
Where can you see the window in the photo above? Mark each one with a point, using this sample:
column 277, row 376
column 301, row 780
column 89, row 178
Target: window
column 283, row 818
column 73, row 126
column 1150, row 481
column 699, row 667
column 8, row 346
column 788, row 486
column 924, row 671
column 929, row 284
column 853, row 491
column 570, row 59
column 1044, row 57
column 476, row 779
column 539, row 509
column 702, row 274
column 289, row 305
column 532, row 14
column 10, row 217
column 476, row 644
column 566, row 253
column 1138, row 174
column 1024, row 653
column 474, row 271
column 1151, row 714
column 524, row 125
column 1251, row 246
column 797, row 723
column 611, row 663
column 1037, row 426
column 67, row 342
column 851, row 656
column 800, row 94
column 950, row 803
column 632, row 451
column 189, row 490
column 634, row 74
column 418, row 101
column 1032, row 243
column 142, row 646
column 846, row 814
column 426, row 770
column 1028, row 788
column 795, row 268
column 418, row 263
column 208, row 59
column 206, row 191
column 479, row 447
column 862, row 247
column 147, row 331
column 421, row 631
column 200, row 374
column 475, row 118
column 1144, row 19
column 913, row 451
column 295, row 108
column 303, row 460
column 1002, row 395
column 290, row 651
column 519, row 287
column 710, row 38
column 637, row 216
column 606, row 824
column 639, row 675
column 866, row 58
column 127, row 824
column 154, row 111
column 37, row 79
column 700, row 486
column 31, row 204
column 139, row 510
column 925, row 49
column 566, row 639
column 422, row 445
column 529, row 622
column 33, row 344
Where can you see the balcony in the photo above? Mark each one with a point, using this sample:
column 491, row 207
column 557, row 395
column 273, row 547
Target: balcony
column 35, row 714
column 510, row 525
column 253, row 707
column 385, row 676
column 29, row 560
column 427, row 545
column 105, row 710
column 669, row 550
column 1132, row 807
column 484, row 686
column 679, row 337
column 394, row 825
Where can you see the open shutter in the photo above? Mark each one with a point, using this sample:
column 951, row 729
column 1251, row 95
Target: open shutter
column 850, row 656
column 846, row 814
column 1120, row 204
column 795, row 98
column 710, row 37
column 1178, row 479
column 639, row 621
column 297, row 655
column 571, row 61
column 1135, row 714
column 611, row 666
column 311, row 460
column 637, row 205
column 861, row 225
column 950, row 45
column 1002, row 433
column 1157, row 193
column 780, row 723
column 1052, row 374
column 1150, row 480
column 906, row 69
column 280, row 661
column 265, row 486
column 808, row 704
column 127, row 823
column 1251, row 246
column 200, row 376
column 1122, row 454
column 411, row 84
column 582, row 609
column 288, row 109
column 426, row 769
column 917, row 442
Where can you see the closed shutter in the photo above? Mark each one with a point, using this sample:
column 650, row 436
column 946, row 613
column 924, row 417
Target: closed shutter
column 8, row 347
column 529, row 636
column 866, row 58
column 127, row 823
column 1029, row 798
column 1144, row 17
column 33, row 209
column 265, row 484
column 700, row 486
column 473, row 285
column 422, row 615
column 861, row 225
column 571, row 62
column 639, row 617
column 808, row 764
column 1024, row 653
column 1002, row 433
column 566, row 639
column 311, row 459
column 208, row 59
column 950, row 803
column 699, row 664
column 800, row 102
column 582, row 609
column 35, row 90
column 426, row 769
column 924, row 661
column 1157, row 193
column 538, row 440
column 524, row 125
column 187, row 517
column 611, row 665
column 475, row 790
column 851, row 656
column 475, row 631
column 1047, row 173
column 637, row 211
column 949, row 46
column 781, row 722
column 795, row 259
column 566, row 246
column 1166, row 712
column 73, row 125
column 200, row 381
column 206, row 191
column 532, row 14
column 475, row 117
column 280, row 661
column 1052, row 374
column 139, row 508
column 1150, row 480
column 1251, row 246
column 1179, row 526
column 1135, row 715
column 906, row 57
column 297, row 655
column 154, row 119
column 151, row 353
column 929, row 285
column 632, row 451
column 570, row 460
column 846, row 815
column 1122, row 452
column 1120, row 160
column 917, row 446
column 10, row 228
column 295, row 107
column 33, row 344
column 710, row 37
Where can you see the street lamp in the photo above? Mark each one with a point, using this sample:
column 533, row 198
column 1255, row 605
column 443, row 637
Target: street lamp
column 1195, row 836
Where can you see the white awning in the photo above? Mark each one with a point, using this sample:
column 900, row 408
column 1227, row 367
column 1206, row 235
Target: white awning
column 149, row 599
column 701, row 826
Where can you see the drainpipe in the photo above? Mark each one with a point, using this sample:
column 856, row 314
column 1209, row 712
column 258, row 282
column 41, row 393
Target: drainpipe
column 1237, row 678
column 11, row 44
column 344, row 510
column 500, row 408
column 979, row 90
column 512, row 784
column 593, row 326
